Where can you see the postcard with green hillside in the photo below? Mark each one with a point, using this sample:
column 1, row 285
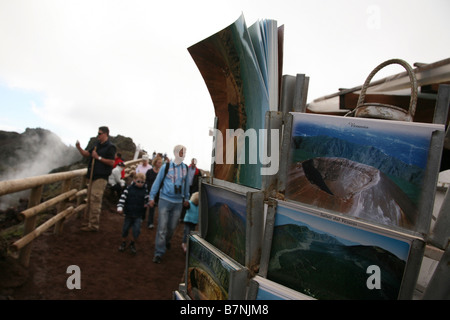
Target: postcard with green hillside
column 328, row 257
column 226, row 219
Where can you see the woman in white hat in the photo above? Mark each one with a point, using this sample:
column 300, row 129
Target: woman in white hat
column 144, row 166
column 173, row 187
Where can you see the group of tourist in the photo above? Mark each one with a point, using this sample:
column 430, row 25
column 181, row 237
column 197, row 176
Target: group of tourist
column 170, row 185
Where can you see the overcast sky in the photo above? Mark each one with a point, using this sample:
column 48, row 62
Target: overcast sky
column 72, row 66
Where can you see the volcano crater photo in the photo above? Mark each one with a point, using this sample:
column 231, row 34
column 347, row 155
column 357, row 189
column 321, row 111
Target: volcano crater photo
column 350, row 188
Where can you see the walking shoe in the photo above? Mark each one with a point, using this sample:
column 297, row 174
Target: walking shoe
column 157, row 259
column 123, row 246
column 132, row 248
column 151, row 226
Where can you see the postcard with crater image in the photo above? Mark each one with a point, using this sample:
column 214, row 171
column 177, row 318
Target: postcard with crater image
column 365, row 168
column 330, row 256
column 211, row 275
column 232, row 221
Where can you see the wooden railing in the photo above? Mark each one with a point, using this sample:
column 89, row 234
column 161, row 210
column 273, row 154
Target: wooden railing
column 21, row 248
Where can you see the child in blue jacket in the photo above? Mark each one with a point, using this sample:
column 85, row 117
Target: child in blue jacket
column 190, row 218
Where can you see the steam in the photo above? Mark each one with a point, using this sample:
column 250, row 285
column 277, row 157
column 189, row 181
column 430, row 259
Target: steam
column 36, row 152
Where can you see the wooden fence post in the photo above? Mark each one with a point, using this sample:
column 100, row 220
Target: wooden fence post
column 30, row 224
column 60, row 207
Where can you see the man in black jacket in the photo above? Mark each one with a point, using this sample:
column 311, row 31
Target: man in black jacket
column 101, row 156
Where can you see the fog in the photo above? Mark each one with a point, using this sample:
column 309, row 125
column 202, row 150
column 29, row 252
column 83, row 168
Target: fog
column 35, row 152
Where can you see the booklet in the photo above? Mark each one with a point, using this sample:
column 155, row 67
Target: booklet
column 240, row 70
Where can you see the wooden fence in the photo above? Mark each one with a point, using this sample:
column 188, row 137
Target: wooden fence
column 21, row 248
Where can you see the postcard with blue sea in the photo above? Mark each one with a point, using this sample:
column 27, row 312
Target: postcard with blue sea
column 227, row 216
column 365, row 168
column 328, row 256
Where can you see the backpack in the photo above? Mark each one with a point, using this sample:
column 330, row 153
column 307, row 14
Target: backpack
column 162, row 183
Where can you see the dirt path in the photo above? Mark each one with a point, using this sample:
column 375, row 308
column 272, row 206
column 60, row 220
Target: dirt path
column 106, row 273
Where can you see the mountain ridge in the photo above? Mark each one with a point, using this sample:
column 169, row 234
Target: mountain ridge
column 322, row 266
column 326, row 146
column 227, row 231
column 39, row 151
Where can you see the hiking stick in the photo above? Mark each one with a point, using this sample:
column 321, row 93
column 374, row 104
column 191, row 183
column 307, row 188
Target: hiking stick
column 86, row 211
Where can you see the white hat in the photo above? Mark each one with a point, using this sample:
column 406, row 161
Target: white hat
column 176, row 153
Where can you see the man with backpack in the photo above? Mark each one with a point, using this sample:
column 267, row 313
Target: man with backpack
column 173, row 187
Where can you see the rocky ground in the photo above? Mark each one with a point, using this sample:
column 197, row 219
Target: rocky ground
column 105, row 272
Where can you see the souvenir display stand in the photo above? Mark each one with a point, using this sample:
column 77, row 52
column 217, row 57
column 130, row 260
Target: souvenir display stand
column 342, row 216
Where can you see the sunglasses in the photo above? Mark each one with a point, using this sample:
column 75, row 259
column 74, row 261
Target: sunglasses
column 100, row 133
column 140, row 181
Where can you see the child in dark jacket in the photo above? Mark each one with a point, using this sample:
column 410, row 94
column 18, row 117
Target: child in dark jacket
column 133, row 203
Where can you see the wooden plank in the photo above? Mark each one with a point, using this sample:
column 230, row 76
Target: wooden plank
column 26, row 214
column 26, row 240
column 12, row 186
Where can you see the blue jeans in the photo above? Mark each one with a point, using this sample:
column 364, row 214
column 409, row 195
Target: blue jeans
column 151, row 214
column 134, row 223
column 188, row 227
column 168, row 215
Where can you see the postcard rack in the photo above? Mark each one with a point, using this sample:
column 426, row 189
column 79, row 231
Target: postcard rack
column 272, row 231
column 435, row 241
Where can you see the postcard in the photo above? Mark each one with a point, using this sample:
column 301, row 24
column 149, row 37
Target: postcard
column 226, row 212
column 264, row 289
column 365, row 168
column 211, row 275
column 229, row 66
column 329, row 256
